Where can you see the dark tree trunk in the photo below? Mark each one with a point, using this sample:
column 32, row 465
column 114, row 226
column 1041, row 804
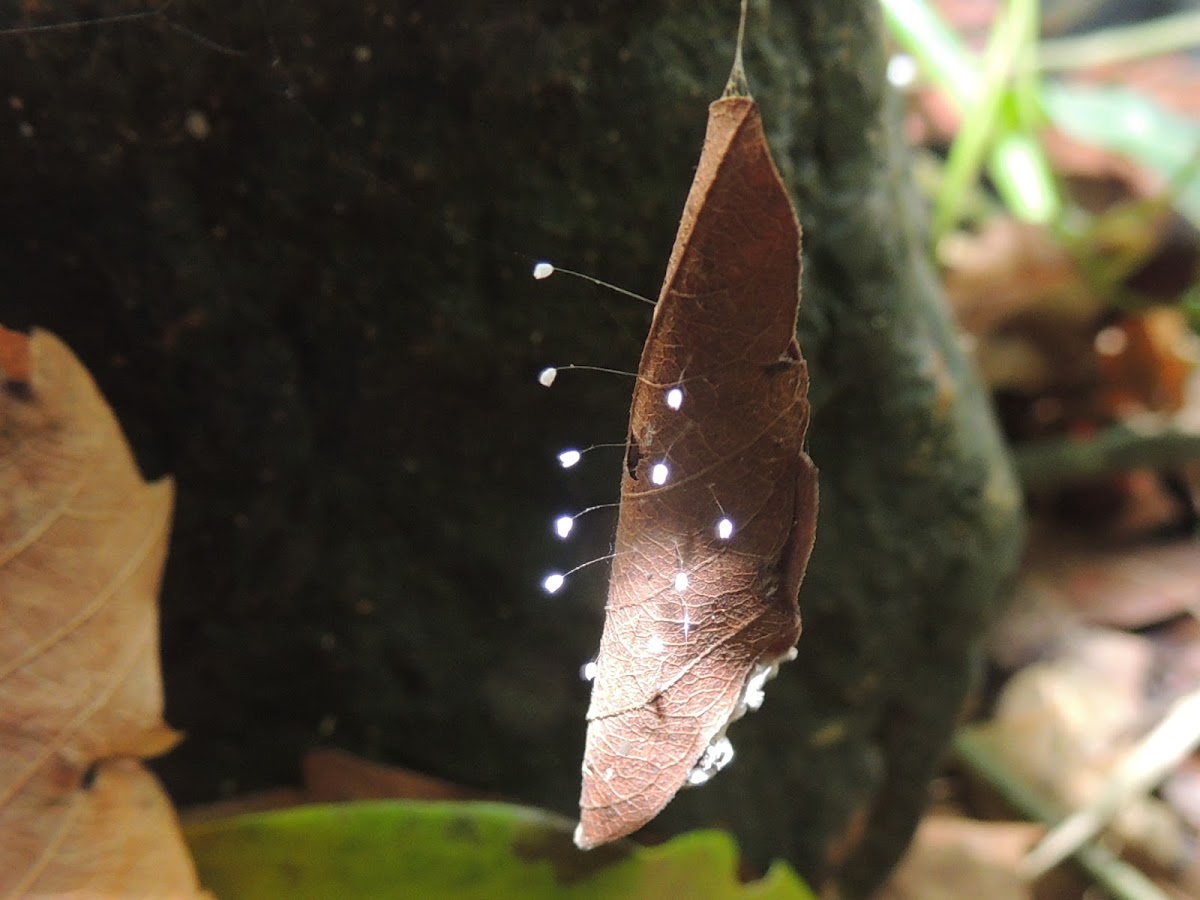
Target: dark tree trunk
column 292, row 241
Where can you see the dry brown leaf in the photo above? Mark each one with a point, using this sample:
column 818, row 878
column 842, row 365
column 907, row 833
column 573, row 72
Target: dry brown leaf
column 14, row 358
column 1129, row 587
column 953, row 857
column 82, row 544
column 332, row 776
column 1182, row 791
column 699, row 615
column 1062, row 724
column 336, row 776
column 1008, row 268
column 1147, row 361
column 118, row 838
column 242, row 804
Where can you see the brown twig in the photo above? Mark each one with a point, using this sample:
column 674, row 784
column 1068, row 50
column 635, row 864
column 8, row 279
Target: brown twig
column 1119, row 879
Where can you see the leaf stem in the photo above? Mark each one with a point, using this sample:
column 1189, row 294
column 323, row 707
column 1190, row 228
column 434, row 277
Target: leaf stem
column 1117, row 877
column 1160, row 751
column 1166, row 34
column 1119, row 447
column 738, row 85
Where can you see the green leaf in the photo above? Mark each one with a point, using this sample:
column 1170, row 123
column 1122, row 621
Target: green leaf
column 996, row 115
column 995, row 112
column 459, row 850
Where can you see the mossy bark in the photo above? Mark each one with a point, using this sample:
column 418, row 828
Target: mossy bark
column 292, row 241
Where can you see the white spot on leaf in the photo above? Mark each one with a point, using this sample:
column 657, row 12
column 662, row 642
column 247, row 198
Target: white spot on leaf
column 660, row 473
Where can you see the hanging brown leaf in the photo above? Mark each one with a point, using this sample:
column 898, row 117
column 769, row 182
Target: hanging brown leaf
column 718, row 499
column 82, row 544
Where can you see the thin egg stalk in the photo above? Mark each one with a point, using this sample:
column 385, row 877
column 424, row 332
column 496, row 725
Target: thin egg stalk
column 544, row 269
column 553, row 582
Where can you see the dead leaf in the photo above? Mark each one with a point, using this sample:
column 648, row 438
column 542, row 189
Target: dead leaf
column 336, row 776
column 1129, row 587
column 14, row 359
column 82, row 544
column 332, row 776
column 954, row 857
column 241, row 804
column 1008, row 268
column 1147, row 360
column 1182, row 790
column 718, row 498
column 1062, row 725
